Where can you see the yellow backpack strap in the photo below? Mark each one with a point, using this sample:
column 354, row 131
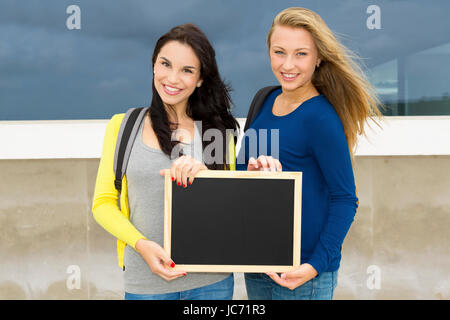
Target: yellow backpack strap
column 231, row 157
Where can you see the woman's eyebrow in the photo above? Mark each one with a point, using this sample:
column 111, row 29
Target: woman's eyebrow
column 278, row 47
column 165, row 59
column 168, row 61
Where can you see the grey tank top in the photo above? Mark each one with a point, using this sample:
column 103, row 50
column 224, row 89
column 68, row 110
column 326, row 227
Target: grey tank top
column 146, row 202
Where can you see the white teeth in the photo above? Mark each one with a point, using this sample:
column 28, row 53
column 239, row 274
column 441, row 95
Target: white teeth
column 289, row 75
column 172, row 89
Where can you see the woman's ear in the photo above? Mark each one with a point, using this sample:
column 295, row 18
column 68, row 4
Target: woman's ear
column 199, row 83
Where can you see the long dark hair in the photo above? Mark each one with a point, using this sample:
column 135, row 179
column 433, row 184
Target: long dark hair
column 209, row 103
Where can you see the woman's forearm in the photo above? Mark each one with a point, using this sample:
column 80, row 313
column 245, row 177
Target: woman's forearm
column 112, row 220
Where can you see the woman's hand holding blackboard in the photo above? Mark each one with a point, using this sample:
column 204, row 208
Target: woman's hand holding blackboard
column 157, row 259
column 184, row 168
column 264, row 163
column 295, row 278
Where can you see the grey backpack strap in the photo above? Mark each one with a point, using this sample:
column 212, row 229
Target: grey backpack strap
column 257, row 102
column 125, row 139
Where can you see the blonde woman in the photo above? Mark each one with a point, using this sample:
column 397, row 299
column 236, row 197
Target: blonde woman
column 319, row 108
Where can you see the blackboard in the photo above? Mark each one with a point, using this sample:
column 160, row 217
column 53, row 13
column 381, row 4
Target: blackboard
column 234, row 221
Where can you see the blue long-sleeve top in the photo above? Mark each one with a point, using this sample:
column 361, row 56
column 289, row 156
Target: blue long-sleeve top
column 311, row 140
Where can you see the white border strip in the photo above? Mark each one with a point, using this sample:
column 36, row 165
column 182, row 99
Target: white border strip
column 62, row 139
column 407, row 136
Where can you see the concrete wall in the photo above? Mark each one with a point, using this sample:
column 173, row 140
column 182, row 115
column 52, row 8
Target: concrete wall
column 397, row 248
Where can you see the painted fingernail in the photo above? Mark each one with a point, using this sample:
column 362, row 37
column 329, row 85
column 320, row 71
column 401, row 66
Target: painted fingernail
column 179, row 183
column 184, row 274
column 189, row 183
column 184, row 186
column 173, row 179
column 172, row 265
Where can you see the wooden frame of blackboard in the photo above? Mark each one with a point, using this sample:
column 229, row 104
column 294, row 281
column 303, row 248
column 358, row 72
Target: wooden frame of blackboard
column 295, row 176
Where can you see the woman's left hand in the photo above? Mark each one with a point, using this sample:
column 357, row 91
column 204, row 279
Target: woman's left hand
column 184, row 168
column 295, row 278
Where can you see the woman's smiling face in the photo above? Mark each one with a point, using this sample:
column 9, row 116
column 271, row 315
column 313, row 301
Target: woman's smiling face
column 293, row 56
column 176, row 73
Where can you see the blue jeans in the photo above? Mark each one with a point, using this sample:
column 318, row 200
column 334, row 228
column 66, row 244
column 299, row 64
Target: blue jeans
column 261, row 287
column 222, row 290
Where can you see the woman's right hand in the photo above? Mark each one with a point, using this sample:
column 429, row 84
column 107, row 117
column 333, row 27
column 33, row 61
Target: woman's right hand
column 158, row 260
column 264, row 163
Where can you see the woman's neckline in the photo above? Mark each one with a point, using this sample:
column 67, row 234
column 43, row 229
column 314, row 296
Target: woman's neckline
column 157, row 150
column 295, row 110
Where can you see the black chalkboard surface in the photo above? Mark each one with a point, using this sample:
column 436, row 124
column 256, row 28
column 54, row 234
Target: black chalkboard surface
column 234, row 221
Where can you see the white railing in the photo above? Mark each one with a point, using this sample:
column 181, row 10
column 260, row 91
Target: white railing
column 61, row 139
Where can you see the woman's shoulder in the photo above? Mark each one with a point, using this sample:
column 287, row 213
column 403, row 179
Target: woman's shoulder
column 267, row 89
column 321, row 112
column 321, row 104
column 321, row 107
column 263, row 93
column 114, row 123
column 116, row 120
column 118, row 117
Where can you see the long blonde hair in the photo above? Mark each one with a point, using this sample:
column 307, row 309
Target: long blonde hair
column 339, row 77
